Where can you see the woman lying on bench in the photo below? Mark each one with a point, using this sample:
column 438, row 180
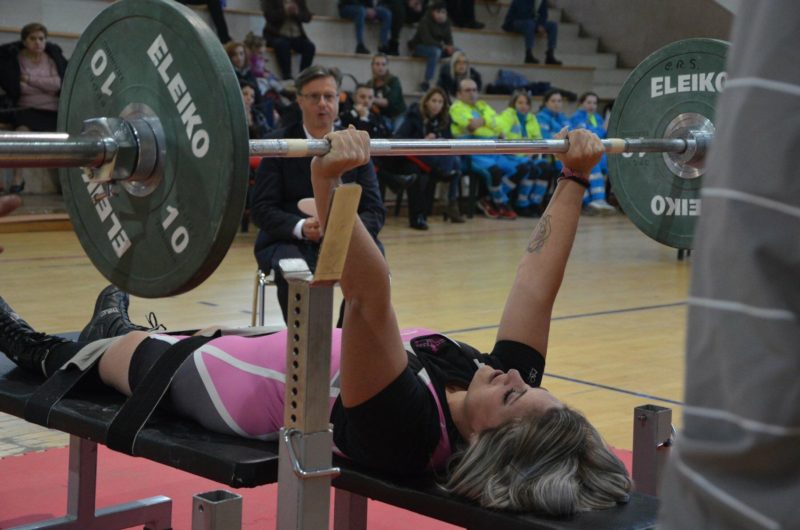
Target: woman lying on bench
column 438, row 404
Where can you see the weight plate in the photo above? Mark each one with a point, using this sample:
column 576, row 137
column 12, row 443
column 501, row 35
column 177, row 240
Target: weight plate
column 157, row 59
column 677, row 84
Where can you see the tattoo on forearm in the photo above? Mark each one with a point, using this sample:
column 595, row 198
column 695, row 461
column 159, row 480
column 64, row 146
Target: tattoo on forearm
column 540, row 235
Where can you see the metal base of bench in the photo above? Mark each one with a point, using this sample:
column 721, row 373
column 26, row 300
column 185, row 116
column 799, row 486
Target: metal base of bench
column 155, row 513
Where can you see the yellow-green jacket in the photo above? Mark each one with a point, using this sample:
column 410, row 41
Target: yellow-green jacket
column 461, row 114
column 508, row 123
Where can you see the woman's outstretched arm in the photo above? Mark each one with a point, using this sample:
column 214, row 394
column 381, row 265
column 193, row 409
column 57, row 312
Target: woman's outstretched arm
column 372, row 350
column 526, row 317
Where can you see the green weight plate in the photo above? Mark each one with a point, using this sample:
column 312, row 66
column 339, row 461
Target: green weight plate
column 156, row 58
column 680, row 80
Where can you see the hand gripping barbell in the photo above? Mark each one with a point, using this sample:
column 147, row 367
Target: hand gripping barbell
column 150, row 104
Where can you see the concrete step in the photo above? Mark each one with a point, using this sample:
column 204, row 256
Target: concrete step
column 490, row 13
column 409, row 69
column 479, row 45
column 611, row 76
column 607, row 92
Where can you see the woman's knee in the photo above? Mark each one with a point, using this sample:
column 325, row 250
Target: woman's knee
column 114, row 365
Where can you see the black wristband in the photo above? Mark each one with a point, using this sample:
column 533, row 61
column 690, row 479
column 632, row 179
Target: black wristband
column 573, row 178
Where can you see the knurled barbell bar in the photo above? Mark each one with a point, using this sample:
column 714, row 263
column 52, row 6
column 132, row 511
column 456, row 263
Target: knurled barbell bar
column 64, row 150
column 150, row 101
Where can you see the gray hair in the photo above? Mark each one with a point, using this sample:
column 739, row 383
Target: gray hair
column 555, row 464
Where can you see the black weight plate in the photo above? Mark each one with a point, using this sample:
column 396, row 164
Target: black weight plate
column 158, row 58
column 682, row 78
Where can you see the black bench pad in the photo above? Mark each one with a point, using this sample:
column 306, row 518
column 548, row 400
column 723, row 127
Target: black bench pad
column 167, row 439
column 242, row 463
column 421, row 495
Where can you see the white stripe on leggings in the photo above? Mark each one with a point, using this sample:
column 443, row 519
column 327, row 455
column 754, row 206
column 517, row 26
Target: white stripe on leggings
column 755, row 200
column 766, row 84
column 724, row 497
column 738, row 307
column 745, row 423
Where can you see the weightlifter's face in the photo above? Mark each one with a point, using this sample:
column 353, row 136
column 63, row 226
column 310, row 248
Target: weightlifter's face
column 495, row 397
column 319, row 103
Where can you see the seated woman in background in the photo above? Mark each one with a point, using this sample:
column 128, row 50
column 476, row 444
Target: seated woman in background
column 31, row 72
column 518, row 122
column 587, row 117
column 510, row 444
column 430, row 120
column 453, row 71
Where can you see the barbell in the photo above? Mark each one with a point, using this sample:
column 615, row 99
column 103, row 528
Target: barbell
column 154, row 148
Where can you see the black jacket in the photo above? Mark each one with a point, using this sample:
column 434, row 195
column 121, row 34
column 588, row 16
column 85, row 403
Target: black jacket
column 10, row 70
column 281, row 182
column 413, row 127
column 275, row 16
column 450, row 85
column 522, row 10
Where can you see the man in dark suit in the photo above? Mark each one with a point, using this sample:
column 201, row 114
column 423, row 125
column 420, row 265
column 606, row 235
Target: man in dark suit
column 281, row 182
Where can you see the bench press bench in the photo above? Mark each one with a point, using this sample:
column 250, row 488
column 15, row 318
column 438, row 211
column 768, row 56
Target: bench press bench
column 243, row 463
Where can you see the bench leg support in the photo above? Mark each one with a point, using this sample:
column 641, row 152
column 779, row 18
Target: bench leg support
column 349, row 511
column 154, row 512
column 652, row 437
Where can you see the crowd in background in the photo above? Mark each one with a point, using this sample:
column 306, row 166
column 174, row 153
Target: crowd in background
column 31, row 71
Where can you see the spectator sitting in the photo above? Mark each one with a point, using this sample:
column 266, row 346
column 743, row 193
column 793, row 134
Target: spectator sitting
column 217, row 16
column 238, row 56
column 551, row 119
column 430, row 120
column 400, row 9
column 257, row 123
column 280, row 182
column 284, row 32
column 361, row 116
column 361, row 11
column 529, row 17
column 518, row 122
column 270, row 87
column 586, row 117
column 31, row 72
column 474, row 118
column 456, row 69
column 432, row 40
column 389, row 102
column 463, row 14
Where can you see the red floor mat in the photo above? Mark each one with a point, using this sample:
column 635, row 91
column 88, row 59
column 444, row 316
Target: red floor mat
column 34, row 487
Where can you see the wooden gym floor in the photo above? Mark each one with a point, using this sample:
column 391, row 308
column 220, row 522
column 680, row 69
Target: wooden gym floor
column 617, row 339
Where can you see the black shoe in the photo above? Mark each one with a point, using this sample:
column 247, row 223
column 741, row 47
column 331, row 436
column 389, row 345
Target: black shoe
column 27, row 348
column 419, row 223
column 424, row 86
column 363, row 49
column 110, row 318
column 530, row 59
column 528, row 211
column 474, row 25
column 16, row 189
column 551, row 59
